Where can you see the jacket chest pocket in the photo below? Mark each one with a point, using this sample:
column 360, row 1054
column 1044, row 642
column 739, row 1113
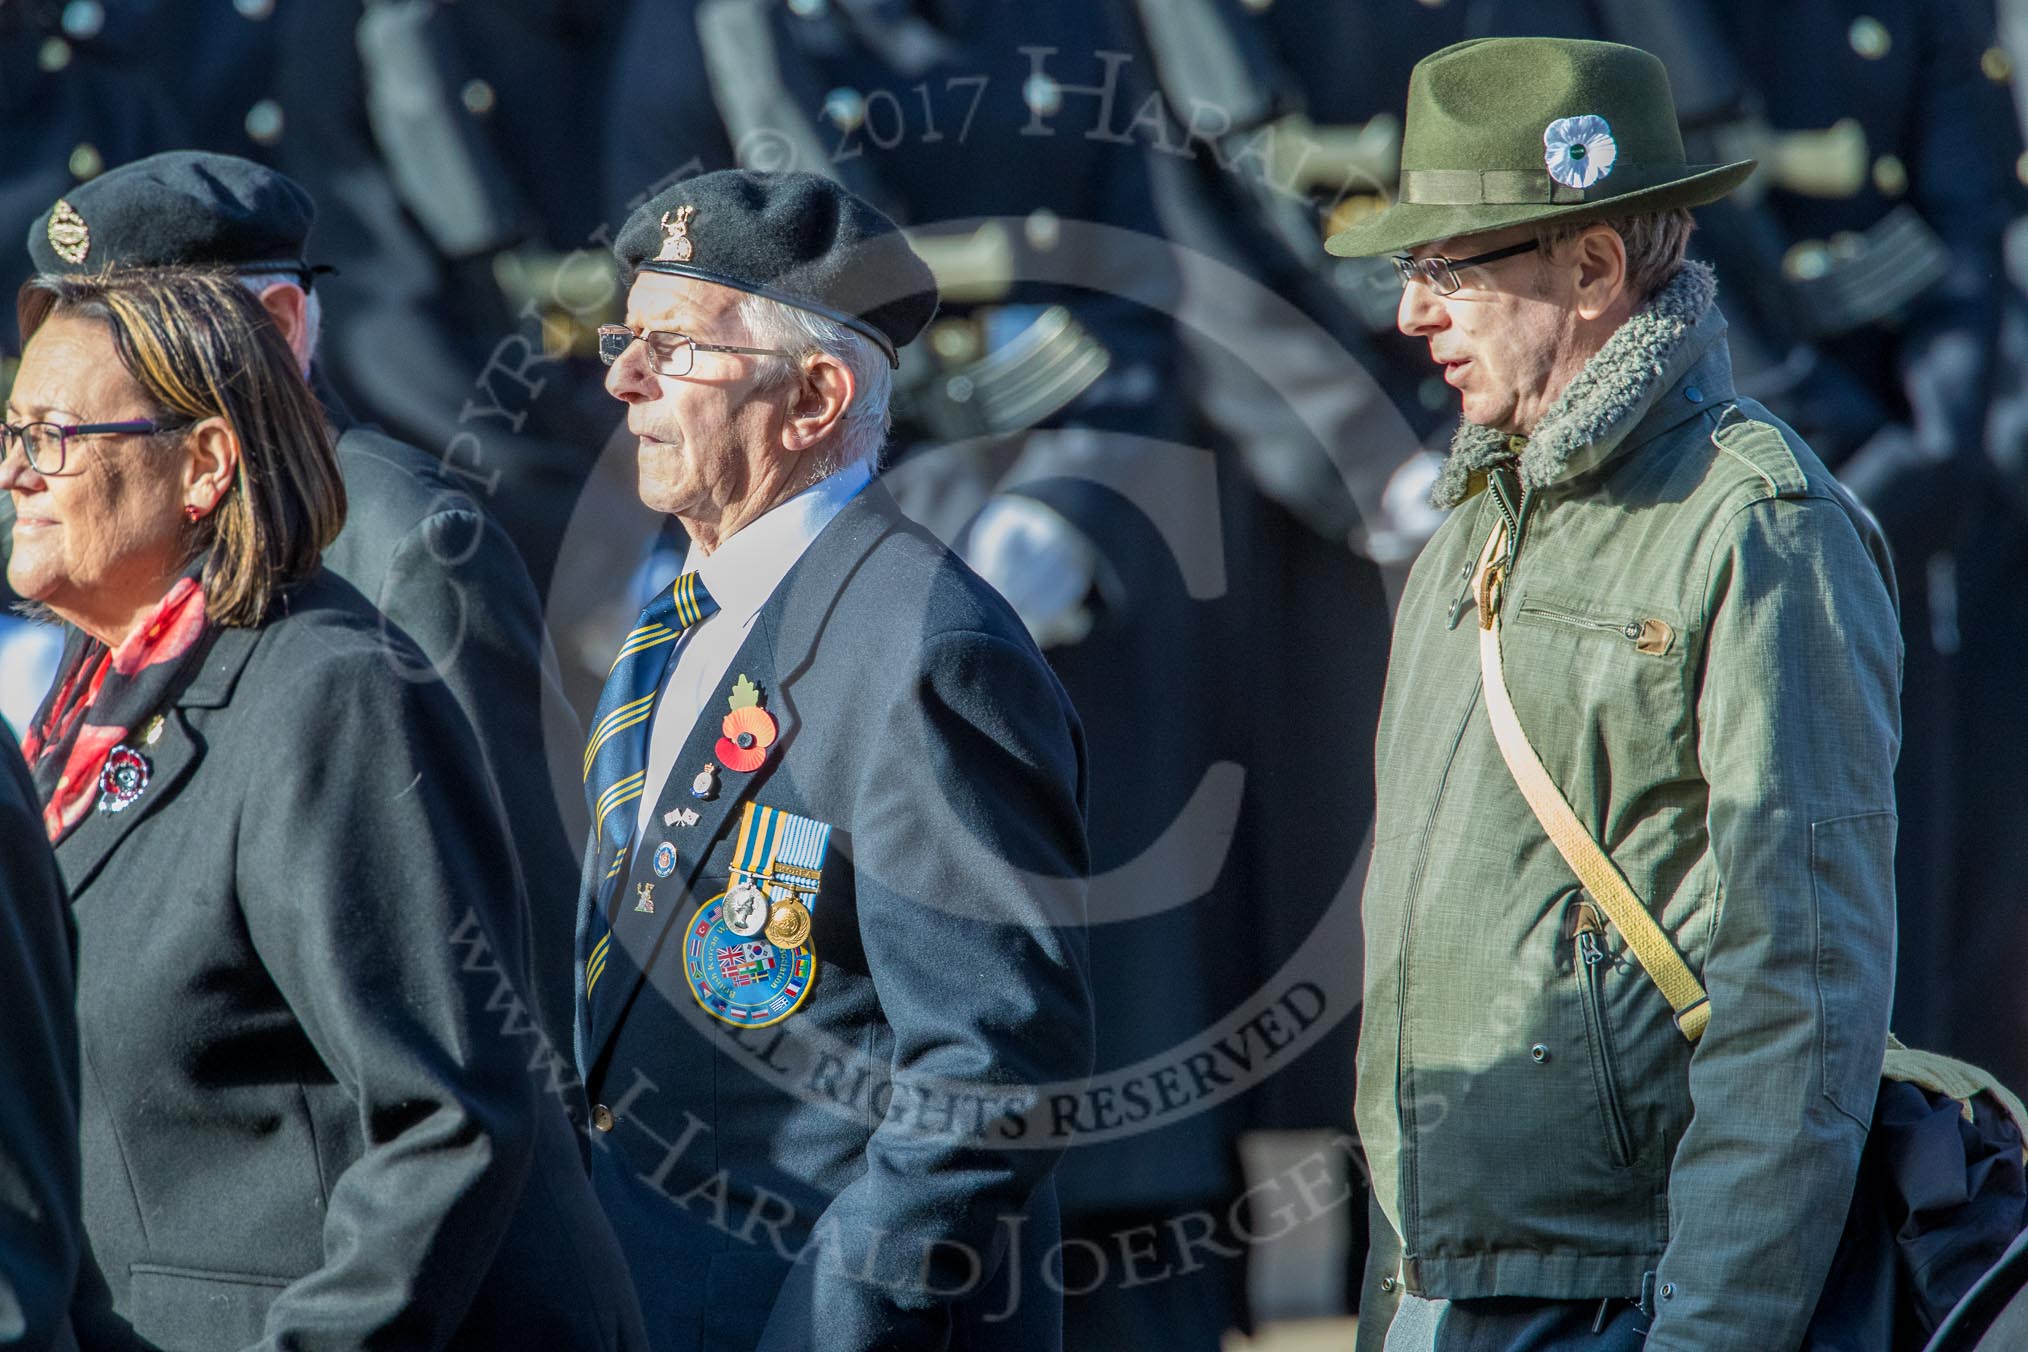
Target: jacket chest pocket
column 1604, row 688
column 1646, row 633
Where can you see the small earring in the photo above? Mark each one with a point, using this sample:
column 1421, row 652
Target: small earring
column 190, row 513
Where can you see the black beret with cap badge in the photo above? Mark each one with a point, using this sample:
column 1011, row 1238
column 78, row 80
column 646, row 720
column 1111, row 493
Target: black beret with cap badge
column 182, row 207
column 798, row 238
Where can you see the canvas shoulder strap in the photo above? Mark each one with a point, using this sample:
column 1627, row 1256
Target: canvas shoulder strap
column 1601, row 877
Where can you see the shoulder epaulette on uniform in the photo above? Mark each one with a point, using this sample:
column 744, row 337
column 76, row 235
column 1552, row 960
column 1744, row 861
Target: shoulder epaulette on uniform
column 1759, row 445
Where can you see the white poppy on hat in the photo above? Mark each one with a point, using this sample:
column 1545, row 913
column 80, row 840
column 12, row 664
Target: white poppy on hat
column 1579, row 150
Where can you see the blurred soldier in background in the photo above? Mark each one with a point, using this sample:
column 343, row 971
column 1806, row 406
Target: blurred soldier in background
column 1990, row 919
column 429, row 134
column 1247, row 174
column 1329, row 487
column 77, row 92
column 1352, row 112
column 1867, row 282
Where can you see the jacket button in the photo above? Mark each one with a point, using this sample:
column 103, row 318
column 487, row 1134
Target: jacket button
column 1386, row 1285
column 602, row 1117
column 1538, row 1053
column 1668, row 1290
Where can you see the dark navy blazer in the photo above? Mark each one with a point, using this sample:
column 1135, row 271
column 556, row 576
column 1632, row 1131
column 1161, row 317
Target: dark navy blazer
column 884, row 1117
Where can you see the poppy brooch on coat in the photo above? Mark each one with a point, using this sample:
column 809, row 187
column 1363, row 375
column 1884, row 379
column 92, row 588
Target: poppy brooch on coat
column 749, row 729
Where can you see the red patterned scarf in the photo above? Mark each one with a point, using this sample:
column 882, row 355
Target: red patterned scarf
column 76, row 744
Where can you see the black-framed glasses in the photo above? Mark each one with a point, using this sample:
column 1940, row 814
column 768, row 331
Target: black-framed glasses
column 47, row 444
column 1442, row 273
column 669, row 353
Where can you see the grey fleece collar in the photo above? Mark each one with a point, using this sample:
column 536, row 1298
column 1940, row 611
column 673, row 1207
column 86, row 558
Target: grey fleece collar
column 1602, row 403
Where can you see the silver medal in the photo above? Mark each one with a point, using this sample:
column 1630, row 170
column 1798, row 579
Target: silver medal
column 746, row 910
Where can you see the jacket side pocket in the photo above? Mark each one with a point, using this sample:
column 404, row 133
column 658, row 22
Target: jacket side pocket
column 176, row 1307
column 1852, row 888
column 1592, row 963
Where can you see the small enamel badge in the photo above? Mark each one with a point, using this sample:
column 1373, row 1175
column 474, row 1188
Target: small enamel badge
column 749, row 729
column 644, row 898
column 121, row 781
column 680, row 816
column 677, row 246
column 153, row 733
column 705, row 785
column 665, row 859
column 69, row 236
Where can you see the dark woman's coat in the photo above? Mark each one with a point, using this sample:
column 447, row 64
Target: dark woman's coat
column 307, row 1119
column 38, row 1076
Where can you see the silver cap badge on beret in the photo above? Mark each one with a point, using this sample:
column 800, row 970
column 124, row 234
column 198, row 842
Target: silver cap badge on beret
column 69, row 236
column 677, row 246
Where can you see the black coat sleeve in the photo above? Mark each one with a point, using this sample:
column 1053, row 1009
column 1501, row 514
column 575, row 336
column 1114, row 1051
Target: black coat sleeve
column 457, row 587
column 969, row 863
column 358, row 859
column 39, row 1227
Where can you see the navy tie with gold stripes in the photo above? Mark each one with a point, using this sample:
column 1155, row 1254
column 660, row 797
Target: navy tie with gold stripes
column 616, row 753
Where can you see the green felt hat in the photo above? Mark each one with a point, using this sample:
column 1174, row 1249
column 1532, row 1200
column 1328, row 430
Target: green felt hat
column 1511, row 131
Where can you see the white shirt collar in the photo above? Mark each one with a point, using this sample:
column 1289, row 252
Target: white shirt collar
column 747, row 566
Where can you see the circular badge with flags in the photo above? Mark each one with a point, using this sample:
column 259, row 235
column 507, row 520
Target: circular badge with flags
column 748, row 983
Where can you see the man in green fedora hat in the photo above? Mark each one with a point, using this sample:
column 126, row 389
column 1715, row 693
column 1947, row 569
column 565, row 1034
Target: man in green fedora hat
column 1630, row 911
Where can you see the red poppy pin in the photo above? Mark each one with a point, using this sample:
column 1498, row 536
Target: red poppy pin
column 122, row 778
column 749, row 729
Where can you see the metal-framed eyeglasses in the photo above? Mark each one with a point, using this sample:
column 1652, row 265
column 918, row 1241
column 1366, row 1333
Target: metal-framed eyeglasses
column 1441, row 273
column 670, row 353
column 47, row 444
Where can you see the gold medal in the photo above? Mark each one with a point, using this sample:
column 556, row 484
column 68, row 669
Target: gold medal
column 788, row 924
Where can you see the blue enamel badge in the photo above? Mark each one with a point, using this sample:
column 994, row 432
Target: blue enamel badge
column 665, row 859
column 748, row 983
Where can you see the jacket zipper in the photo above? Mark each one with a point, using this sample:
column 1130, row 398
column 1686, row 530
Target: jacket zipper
column 1502, row 483
column 1497, row 488
column 1591, row 962
column 1647, row 635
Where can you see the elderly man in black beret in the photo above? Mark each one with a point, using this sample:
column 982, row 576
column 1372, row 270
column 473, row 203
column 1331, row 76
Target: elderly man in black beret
column 830, row 944
column 415, row 543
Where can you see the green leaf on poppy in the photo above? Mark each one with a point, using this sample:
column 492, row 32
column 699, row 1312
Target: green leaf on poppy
column 745, row 694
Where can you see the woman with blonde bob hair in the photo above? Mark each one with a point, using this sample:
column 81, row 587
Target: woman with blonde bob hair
column 306, row 1118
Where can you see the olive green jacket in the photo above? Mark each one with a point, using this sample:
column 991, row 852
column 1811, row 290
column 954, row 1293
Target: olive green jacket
column 1700, row 637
